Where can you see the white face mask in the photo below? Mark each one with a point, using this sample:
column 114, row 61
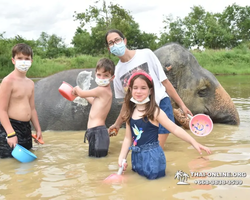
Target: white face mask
column 138, row 102
column 23, row 65
column 102, row 82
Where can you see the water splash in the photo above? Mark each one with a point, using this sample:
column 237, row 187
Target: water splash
column 83, row 80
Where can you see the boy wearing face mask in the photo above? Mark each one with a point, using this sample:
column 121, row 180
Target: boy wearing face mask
column 17, row 105
column 100, row 98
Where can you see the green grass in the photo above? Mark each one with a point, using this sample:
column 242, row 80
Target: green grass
column 46, row 67
column 228, row 62
column 219, row 62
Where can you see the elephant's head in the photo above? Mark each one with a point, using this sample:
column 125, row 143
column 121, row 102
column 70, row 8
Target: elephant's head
column 197, row 87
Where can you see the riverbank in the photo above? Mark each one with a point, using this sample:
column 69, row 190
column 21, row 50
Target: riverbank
column 218, row 62
column 225, row 62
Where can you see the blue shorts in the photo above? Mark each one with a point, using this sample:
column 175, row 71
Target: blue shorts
column 148, row 160
column 166, row 106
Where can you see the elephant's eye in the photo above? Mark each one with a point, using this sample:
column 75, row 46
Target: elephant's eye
column 203, row 92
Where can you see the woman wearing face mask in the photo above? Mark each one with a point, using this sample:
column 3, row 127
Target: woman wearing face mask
column 145, row 60
column 17, row 105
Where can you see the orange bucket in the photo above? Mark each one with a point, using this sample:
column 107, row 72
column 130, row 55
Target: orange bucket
column 66, row 91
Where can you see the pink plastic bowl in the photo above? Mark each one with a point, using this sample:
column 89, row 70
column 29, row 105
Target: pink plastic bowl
column 66, row 91
column 201, row 125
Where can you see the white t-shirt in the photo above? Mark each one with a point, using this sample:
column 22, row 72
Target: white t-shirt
column 146, row 60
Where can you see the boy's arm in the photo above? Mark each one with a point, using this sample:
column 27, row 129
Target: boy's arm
column 125, row 146
column 5, row 94
column 34, row 117
column 89, row 95
column 95, row 92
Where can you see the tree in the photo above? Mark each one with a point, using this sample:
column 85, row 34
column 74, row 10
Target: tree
column 6, row 46
column 50, row 46
column 173, row 31
column 237, row 21
column 195, row 26
column 96, row 21
column 5, row 53
column 82, row 42
column 216, row 36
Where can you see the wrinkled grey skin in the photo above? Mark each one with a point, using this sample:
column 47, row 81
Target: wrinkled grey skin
column 198, row 88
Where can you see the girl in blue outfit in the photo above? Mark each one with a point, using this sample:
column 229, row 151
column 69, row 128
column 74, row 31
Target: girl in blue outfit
column 142, row 118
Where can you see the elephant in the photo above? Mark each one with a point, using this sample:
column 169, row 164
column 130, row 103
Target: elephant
column 197, row 87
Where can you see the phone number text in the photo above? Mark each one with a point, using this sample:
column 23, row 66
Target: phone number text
column 218, row 182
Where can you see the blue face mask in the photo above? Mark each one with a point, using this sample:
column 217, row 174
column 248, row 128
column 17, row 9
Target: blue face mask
column 118, row 49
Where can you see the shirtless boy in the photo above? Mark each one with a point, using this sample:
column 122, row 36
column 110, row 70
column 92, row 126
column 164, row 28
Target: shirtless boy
column 17, row 105
column 101, row 99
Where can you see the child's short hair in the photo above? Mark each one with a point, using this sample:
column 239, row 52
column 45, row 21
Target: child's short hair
column 22, row 48
column 107, row 64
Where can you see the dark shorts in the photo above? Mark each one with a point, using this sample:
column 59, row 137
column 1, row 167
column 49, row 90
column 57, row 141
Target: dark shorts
column 23, row 132
column 98, row 139
column 148, row 160
column 166, row 106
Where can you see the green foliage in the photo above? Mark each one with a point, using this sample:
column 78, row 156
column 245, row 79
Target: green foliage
column 175, row 33
column 235, row 61
column 237, row 21
column 82, row 42
column 51, row 46
column 199, row 28
column 45, row 67
column 204, row 29
column 106, row 17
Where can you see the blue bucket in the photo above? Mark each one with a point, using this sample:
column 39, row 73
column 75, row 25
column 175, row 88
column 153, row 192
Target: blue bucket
column 23, row 155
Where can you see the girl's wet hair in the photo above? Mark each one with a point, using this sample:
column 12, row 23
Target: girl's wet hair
column 22, row 48
column 150, row 107
column 107, row 64
column 113, row 31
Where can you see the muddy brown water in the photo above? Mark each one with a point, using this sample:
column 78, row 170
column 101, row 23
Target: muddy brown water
column 64, row 171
